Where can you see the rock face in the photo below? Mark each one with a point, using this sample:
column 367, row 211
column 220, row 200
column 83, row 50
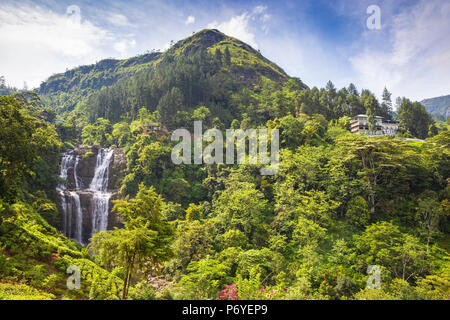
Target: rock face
column 93, row 176
column 117, row 169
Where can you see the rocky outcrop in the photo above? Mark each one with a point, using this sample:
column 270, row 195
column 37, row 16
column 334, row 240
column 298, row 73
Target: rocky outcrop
column 117, row 169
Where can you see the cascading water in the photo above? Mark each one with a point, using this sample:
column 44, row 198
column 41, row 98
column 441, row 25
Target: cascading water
column 70, row 200
column 78, row 181
column 78, row 216
column 98, row 191
column 69, row 160
column 99, row 187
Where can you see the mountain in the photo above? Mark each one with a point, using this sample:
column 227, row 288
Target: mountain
column 72, row 89
column 247, row 62
column 439, row 107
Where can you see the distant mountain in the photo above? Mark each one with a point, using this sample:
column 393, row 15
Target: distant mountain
column 439, row 107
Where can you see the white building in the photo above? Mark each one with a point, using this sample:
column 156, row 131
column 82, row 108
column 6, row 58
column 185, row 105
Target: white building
column 360, row 124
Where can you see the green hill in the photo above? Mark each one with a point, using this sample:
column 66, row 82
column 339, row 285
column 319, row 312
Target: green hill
column 192, row 63
column 439, row 107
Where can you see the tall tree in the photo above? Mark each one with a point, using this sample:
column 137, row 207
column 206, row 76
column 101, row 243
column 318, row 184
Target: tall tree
column 377, row 159
column 227, row 56
column 352, row 89
column 218, row 56
column 386, row 105
column 143, row 244
column 414, row 118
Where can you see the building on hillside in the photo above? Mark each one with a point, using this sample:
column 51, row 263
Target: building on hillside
column 360, row 124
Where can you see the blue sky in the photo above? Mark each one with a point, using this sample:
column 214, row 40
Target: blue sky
column 316, row 41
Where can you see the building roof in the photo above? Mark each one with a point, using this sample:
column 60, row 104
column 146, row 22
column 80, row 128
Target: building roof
column 365, row 115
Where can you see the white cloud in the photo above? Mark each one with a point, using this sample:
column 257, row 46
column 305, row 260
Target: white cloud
column 238, row 27
column 259, row 9
column 37, row 42
column 265, row 17
column 122, row 46
column 190, row 20
column 242, row 26
column 413, row 59
column 118, row 20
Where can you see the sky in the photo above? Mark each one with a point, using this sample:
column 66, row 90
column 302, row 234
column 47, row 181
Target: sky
column 401, row 45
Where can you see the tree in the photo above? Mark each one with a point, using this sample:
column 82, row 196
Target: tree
column 291, row 129
column 143, row 244
column 386, row 105
column 437, row 156
column 432, row 130
column 371, row 120
column 201, row 114
column 121, row 134
column 429, row 213
column 358, row 211
column 204, row 278
column 218, row 56
column 402, row 254
column 29, row 148
column 194, row 241
column 330, row 87
column 352, row 89
column 168, row 106
column 414, row 118
column 317, row 206
column 307, row 232
column 377, row 159
column 98, row 133
column 194, row 212
column 241, row 206
column 227, row 56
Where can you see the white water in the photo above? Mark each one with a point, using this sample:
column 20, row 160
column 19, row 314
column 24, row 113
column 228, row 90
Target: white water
column 70, row 160
column 78, row 216
column 78, row 181
column 70, row 200
column 100, row 180
column 99, row 186
column 67, row 216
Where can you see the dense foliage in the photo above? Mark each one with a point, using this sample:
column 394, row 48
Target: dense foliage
column 339, row 203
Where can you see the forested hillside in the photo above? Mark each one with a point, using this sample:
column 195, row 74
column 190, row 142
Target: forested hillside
column 339, row 203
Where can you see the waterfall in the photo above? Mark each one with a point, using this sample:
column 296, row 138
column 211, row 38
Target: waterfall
column 100, row 180
column 67, row 213
column 72, row 224
column 78, row 216
column 99, row 186
column 100, row 211
column 78, row 181
column 70, row 160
